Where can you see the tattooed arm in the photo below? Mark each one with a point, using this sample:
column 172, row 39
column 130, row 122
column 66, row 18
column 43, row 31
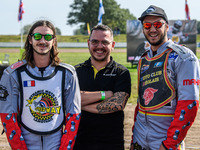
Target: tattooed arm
column 115, row 103
column 88, row 97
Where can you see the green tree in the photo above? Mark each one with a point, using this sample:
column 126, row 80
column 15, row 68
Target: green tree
column 26, row 29
column 58, row 31
column 86, row 11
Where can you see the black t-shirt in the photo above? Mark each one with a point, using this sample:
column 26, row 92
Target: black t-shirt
column 102, row 127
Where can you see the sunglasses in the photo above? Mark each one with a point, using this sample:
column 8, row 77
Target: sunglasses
column 157, row 25
column 38, row 36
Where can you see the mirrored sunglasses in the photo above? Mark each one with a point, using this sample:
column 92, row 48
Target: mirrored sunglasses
column 157, row 25
column 38, row 36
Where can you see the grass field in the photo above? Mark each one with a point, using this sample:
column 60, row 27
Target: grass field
column 76, row 58
column 74, row 38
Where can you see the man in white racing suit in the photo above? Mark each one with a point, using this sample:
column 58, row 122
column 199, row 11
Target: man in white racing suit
column 39, row 95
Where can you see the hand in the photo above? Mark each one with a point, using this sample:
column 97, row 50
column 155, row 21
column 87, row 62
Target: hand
column 131, row 147
column 108, row 94
column 162, row 147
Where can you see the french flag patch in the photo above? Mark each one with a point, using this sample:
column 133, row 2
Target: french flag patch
column 29, row 83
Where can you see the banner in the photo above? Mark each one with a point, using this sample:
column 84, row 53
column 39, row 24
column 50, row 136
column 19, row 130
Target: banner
column 180, row 31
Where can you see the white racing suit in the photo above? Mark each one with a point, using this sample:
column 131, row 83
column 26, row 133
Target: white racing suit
column 168, row 97
column 34, row 106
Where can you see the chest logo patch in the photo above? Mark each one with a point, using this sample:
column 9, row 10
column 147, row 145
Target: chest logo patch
column 43, row 105
column 149, row 94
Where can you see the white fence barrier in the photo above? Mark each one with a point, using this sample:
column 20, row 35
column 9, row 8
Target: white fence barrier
column 60, row 45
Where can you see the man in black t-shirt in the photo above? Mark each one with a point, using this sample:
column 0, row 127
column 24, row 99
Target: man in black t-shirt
column 105, row 88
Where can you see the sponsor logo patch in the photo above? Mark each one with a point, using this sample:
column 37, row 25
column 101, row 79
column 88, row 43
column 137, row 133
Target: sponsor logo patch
column 173, row 56
column 3, row 93
column 149, row 94
column 144, row 68
column 191, row 81
column 43, row 105
column 158, row 64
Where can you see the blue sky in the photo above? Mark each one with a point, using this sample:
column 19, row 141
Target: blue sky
column 57, row 10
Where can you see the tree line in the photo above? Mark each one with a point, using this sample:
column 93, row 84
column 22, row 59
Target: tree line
column 85, row 12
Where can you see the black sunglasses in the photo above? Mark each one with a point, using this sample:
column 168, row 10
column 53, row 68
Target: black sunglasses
column 38, row 36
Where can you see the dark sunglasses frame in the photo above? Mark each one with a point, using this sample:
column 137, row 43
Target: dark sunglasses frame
column 154, row 24
column 47, row 37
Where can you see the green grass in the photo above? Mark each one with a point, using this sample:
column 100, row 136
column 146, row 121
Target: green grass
column 76, row 58
column 74, row 38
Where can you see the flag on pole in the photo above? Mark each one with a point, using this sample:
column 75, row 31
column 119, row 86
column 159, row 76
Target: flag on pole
column 187, row 10
column 101, row 12
column 88, row 28
column 21, row 10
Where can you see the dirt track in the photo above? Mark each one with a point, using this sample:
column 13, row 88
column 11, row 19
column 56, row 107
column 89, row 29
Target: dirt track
column 192, row 140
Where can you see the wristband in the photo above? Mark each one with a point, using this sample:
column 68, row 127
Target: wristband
column 103, row 95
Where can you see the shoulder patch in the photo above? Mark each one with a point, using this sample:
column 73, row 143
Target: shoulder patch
column 68, row 66
column 16, row 65
column 181, row 50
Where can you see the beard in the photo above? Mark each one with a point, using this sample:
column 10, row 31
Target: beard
column 41, row 53
column 99, row 60
column 92, row 52
column 159, row 41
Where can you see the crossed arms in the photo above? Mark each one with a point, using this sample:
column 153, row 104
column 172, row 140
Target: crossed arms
column 90, row 101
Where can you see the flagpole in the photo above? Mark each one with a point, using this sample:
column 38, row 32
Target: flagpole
column 21, row 29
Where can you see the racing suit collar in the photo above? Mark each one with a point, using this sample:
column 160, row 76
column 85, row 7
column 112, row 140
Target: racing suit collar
column 35, row 71
column 161, row 49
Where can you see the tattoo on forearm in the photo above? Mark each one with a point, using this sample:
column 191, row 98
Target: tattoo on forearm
column 113, row 104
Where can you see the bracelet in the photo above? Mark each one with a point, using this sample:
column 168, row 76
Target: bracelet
column 103, row 95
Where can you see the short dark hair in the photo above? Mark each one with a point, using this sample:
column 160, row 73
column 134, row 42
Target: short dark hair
column 102, row 27
column 28, row 53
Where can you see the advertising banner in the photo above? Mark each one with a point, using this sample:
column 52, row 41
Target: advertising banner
column 182, row 32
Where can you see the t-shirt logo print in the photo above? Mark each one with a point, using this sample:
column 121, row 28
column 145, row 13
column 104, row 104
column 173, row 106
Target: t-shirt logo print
column 149, row 94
